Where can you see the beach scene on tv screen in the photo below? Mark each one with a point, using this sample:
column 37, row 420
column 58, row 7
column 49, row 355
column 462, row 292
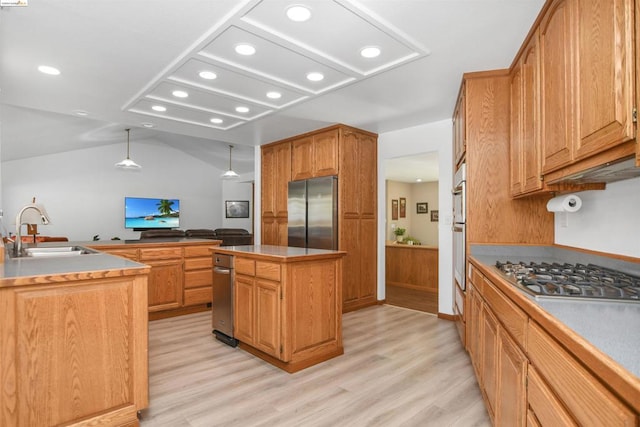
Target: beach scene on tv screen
column 151, row 213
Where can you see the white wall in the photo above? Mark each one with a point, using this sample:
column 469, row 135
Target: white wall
column 419, row 226
column 420, row 139
column 607, row 222
column 84, row 194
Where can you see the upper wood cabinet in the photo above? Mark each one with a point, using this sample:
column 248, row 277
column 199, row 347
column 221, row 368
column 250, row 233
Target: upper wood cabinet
column 556, row 51
column 315, row 155
column 459, row 128
column 605, row 75
column 585, row 91
column 525, row 124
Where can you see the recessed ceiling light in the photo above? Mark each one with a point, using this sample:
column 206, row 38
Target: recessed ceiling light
column 46, row 69
column 216, row 120
column 315, row 77
column 370, row 52
column 159, row 108
column 274, row 95
column 245, row 49
column 80, row 113
column 208, row 75
column 242, row 109
column 298, row 13
column 180, row 94
column 418, row 179
column 147, row 124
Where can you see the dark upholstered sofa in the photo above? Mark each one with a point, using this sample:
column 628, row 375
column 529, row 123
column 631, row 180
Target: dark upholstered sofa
column 229, row 236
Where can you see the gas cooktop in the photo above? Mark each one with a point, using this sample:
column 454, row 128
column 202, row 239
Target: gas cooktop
column 571, row 280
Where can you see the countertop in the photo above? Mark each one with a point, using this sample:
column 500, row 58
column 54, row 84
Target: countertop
column 278, row 253
column 25, row 271
column 156, row 241
column 609, row 326
column 22, row 271
column 393, row 244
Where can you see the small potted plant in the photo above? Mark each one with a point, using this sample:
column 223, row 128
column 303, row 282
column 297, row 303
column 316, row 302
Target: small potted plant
column 399, row 232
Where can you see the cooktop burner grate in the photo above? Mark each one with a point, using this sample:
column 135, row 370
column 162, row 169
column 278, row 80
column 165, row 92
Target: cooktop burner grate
column 571, row 280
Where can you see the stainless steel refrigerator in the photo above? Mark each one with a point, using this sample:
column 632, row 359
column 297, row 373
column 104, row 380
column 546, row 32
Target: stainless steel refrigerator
column 313, row 213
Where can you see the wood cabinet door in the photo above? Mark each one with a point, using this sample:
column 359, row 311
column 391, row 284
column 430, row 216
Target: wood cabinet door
column 555, row 78
column 72, row 351
column 325, row 149
column 474, row 326
column 165, row 284
column 459, row 129
column 243, row 309
column 302, row 158
column 546, row 407
column 267, row 315
column 268, row 178
column 282, row 178
column 605, row 78
column 515, row 143
column 489, row 367
column 531, row 173
column 512, row 377
column 349, row 191
column 367, row 175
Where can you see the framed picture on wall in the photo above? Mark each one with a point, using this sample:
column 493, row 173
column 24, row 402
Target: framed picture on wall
column 434, row 216
column 403, row 207
column 422, row 207
column 236, row 208
column 394, row 209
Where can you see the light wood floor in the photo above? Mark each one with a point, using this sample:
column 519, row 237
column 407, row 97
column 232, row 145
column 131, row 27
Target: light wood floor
column 400, row 368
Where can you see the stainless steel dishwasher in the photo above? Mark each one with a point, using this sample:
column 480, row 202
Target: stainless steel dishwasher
column 222, row 305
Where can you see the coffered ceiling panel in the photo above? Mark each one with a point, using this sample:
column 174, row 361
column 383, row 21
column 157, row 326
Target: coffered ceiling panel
column 235, row 83
column 187, row 114
column 324, row 34
column 273, row 61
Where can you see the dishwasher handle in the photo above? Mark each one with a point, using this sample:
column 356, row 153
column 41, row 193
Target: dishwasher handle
column 222, row 270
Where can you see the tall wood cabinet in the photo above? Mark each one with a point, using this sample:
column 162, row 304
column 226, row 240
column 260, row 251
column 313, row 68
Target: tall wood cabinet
column 351, row 154
column 493, row 216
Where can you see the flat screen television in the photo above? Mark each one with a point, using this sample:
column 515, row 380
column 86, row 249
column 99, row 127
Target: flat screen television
column 149, row 214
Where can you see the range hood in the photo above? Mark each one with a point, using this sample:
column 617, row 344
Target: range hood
column 607, row 173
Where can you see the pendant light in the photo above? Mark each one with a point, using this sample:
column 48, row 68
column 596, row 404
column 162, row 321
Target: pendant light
column 128, row 164
column 230, row 174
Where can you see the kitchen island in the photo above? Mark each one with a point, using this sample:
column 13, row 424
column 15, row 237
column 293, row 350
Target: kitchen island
column 550, row 358
column 287, row 303
column 74, row 340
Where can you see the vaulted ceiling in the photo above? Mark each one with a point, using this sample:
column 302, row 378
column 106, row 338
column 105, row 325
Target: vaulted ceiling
column 139, row 64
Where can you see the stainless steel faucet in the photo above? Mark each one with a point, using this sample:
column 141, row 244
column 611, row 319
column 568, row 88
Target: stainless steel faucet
column 43, row 218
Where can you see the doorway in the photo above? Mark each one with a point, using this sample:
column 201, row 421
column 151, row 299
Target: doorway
column 411, row 232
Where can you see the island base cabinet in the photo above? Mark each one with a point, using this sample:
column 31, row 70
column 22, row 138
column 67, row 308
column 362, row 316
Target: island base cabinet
column 74, row 353
column 289, row 313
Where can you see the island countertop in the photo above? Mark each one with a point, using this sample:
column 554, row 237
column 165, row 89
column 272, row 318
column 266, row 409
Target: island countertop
column 278, row 253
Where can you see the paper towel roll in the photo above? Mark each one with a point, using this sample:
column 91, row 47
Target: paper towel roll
column 566, row 203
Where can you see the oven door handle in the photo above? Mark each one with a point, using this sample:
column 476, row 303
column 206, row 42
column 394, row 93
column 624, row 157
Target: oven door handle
column 457, row 191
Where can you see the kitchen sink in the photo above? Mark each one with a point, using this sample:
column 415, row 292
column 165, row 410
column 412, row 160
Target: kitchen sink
column 53, row 251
